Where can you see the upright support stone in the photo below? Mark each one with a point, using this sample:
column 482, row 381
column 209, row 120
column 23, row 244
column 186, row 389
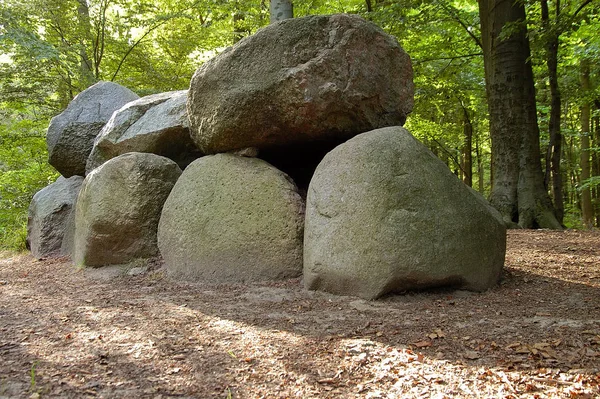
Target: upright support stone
column 232, row 219
column 118, row 209
column 49, row 214
column 385, row 215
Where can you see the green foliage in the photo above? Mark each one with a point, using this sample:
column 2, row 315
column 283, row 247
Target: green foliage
column 50, row 50
column 24, row 170
column 573, row 218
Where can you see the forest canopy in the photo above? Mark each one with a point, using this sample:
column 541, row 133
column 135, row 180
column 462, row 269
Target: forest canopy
column 50, row 50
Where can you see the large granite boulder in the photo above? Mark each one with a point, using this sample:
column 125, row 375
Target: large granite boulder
column 71, row 134
column 155, row 124
column 385, row 215
column 49, row 212
column 118, row 209
column 321, row 79
column 232, row 219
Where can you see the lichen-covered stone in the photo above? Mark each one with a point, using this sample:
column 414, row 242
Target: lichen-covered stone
column 118, row 209
column 49, row 214
column 155, row 124
column 71, row 134
column 319, row 79
column 232, row 219
column 386, row 215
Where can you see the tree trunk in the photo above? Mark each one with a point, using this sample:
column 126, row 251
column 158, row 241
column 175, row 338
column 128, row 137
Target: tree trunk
column 480, row 171
column 596, row 161
column 238, row 30
column 587, row 210
column 280, row 10
column 85, row 67
column 518, row 190
column 553, row 154
column 467, row 150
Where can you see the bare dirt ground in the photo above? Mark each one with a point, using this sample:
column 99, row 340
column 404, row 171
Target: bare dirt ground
column 68, row 333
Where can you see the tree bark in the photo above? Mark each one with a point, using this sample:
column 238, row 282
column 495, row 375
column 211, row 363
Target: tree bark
column 553, row 155
column 467, row 150
column 596, row 160
column 85, row 65
column 280, row 10
column 518, row 190
column 587, row 211
column 238, row 30
column 480, row 171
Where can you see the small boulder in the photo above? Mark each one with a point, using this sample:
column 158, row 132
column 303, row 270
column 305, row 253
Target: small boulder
column 155, row 124
column 118, row 209
column 232, row 219
column 385, row 215
column 71, row 134
column 320, row 79
column 49, row 212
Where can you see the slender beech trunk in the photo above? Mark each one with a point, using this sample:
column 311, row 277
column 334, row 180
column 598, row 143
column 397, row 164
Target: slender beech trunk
column 596, row 161
column 238, row 30
column 553, row 155
column 480, row 171
column 595, row 168
column 85, row 65
column 518, row 190
column 572, row 177
column 587, row 210
column 467, row 150
column 280, row 10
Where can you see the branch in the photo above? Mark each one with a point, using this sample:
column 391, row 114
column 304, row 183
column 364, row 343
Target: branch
column 448, row 58
column 103, row 38
column 180, row 13
column 452, row 156
column 134, row 45
column 585, row 3
column 58, row 29
column 454, row 16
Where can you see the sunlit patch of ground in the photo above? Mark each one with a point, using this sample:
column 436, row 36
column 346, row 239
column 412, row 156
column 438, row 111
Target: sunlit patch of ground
column 70, row 333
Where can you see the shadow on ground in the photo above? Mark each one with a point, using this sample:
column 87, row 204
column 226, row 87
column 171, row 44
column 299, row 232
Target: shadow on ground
column 65, row 334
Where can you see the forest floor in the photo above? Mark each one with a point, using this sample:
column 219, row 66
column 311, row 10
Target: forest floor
column 112, row 333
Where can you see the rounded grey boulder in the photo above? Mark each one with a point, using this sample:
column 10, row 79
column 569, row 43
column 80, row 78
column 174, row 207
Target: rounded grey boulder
column 385, row 215
column 232, row 219
column 155, row 124
column 312, row 79
column 118, row 209
column 49, row 214
column 71, row 134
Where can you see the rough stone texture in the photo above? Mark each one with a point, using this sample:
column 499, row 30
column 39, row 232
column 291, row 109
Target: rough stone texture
column 49, row 211
column 232, row 219
column 68, row 242
column 385, row 215
column 155, row 124
column 71, row 134
column 317, row 78
column 118, row 209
